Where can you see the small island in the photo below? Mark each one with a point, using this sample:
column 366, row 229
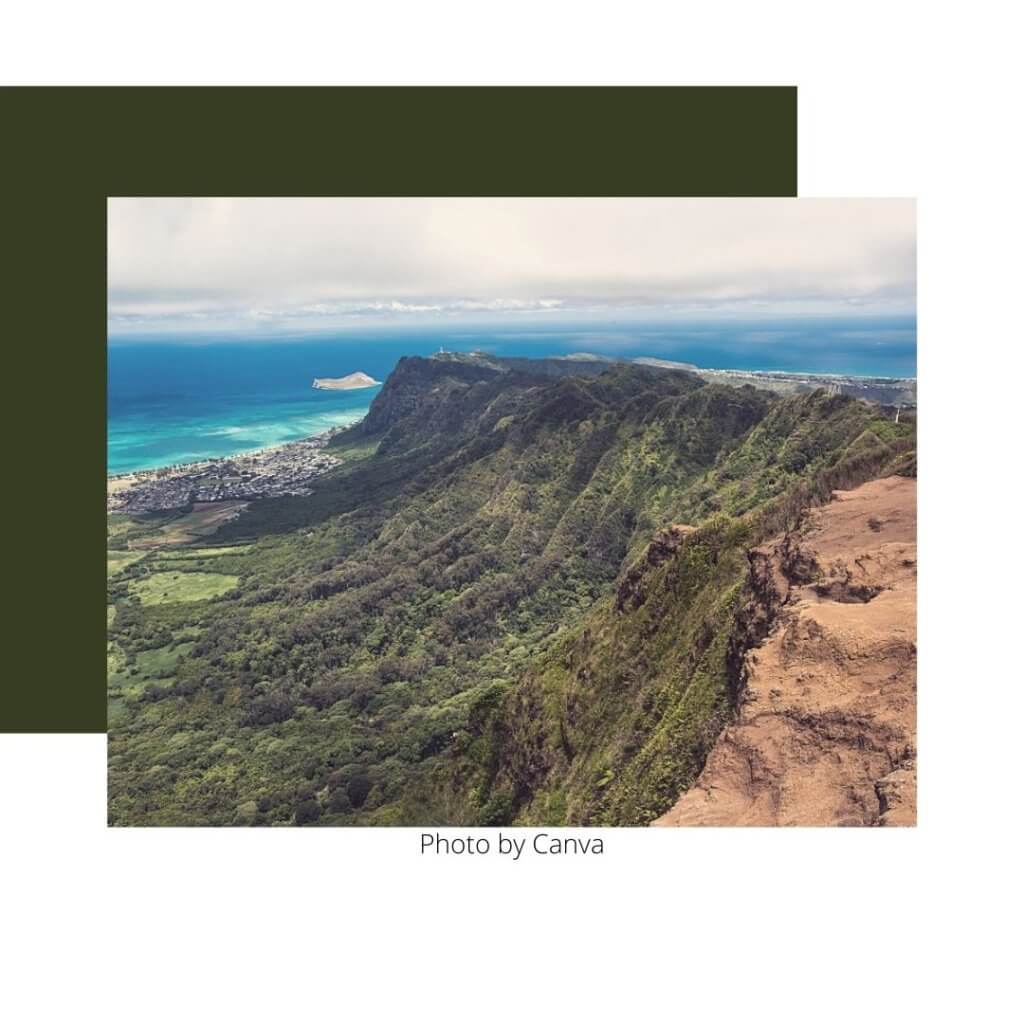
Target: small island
column 352, row 382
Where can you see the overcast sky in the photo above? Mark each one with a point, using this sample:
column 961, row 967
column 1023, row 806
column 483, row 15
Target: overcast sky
column 266, row 265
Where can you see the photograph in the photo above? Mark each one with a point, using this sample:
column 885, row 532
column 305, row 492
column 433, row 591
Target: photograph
column 509, row 511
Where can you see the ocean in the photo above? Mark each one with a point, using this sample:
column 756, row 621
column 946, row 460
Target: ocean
column 187, row 399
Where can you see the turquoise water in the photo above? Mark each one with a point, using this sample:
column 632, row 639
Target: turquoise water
column 190, row 399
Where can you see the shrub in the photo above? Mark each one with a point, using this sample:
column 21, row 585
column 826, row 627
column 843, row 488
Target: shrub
column 498, row 810
column 339, row 802
column 277, row 707
column 358, row 790
column 306, row 812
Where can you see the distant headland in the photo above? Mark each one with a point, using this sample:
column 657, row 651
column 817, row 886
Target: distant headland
column 352, row 382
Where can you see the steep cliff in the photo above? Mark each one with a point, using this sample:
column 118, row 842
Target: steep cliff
column 826, row 729
column 618, row 718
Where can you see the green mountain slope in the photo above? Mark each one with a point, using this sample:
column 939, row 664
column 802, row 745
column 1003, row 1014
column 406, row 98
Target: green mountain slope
column 445, row 630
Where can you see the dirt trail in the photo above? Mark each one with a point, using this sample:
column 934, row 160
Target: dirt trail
column 826, row 733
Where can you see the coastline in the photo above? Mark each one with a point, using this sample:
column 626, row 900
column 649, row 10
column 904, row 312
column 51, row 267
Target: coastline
column 268, row 472
column 289, row 467
column 883, row 390
column 213, row 461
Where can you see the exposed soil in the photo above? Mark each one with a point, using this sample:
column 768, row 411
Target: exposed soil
column 826, row 731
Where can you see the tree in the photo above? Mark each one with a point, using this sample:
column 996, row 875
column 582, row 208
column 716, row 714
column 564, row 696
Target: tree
column 306, row 812
column 358, row 789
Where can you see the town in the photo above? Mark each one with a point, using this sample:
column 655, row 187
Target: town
column 894, row 391
column 268, row 472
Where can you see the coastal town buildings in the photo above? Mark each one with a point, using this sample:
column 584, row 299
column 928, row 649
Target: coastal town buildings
column 270, row 472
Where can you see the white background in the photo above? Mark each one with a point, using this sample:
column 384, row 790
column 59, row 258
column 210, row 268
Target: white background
column 895, row 99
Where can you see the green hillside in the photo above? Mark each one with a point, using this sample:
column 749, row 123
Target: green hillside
column 467, row 621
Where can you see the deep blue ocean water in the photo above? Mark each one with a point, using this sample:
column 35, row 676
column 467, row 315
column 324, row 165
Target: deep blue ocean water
column 191, row 399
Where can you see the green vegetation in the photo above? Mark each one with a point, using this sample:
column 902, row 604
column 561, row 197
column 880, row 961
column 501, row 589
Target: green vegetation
column 118, row 560
column 464, row 622
column 171, row 587
column 190, row 554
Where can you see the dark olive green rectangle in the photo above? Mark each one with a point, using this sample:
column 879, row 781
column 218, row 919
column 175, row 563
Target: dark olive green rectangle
column 65, row 150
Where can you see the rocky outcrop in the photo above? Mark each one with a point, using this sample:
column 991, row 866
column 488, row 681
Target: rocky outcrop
column 353, row 382
column 826, row 729
column 416, row 389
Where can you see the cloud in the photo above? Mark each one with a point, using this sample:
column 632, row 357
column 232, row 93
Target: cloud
column 175, row 263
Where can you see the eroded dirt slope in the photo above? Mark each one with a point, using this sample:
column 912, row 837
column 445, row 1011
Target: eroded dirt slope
column 826, row 733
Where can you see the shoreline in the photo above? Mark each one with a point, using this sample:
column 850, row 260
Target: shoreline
column 216, row 459
column 273, row 471
column 815, row 373
column 882, row 390
column 778, row 381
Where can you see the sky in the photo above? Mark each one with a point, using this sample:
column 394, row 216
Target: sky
column 295, row 265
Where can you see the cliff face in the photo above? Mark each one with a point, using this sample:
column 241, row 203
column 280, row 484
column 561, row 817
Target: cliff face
column 441, row 399
column 621, row 715
column 826, row 728
column 787, row 665
column 414, row 398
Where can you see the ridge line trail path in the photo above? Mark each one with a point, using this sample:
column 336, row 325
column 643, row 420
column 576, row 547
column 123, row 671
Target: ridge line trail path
column 826, row 732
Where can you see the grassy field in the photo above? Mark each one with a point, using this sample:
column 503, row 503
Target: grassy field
column 180, row 587
column 151, row 565
column 118, row 560
column 118, row 525
column 160, row 662
column 115, row 658
column 195, row 553
column 157, row 530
